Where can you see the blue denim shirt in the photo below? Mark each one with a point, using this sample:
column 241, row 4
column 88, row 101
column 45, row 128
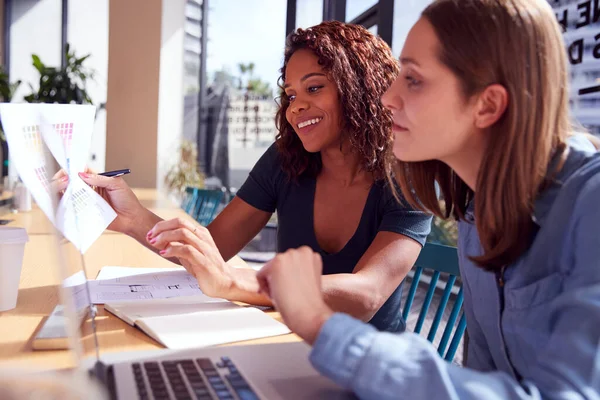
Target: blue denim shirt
column 536, row 337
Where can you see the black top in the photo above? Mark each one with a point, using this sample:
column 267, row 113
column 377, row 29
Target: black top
column 269, row 189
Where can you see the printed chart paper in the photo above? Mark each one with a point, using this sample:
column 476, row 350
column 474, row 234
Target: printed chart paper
column 39, row 133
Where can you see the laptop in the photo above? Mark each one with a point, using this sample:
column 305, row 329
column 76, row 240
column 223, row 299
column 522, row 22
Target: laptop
column 272, row 371
column 242, row 372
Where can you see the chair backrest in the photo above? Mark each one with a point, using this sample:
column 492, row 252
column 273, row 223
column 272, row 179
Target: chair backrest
column 439, row 259
column 201, row 204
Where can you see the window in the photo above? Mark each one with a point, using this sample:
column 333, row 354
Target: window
column 580, row 20
column 244, row 55
column 308, row 13
column 356, row 7
column 406, row 14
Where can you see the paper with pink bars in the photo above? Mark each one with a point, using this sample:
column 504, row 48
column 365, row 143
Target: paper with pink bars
column 36, row 133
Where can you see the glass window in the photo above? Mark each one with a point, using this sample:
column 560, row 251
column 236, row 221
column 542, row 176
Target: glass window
column 373, row 29
column 246, row 40
column 356, row 7
column 579, row 20
column 192, row 50
column 406, row 14
column 308, row 13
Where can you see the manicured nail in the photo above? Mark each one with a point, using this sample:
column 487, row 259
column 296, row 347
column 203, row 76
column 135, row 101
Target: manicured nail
column 149, row 234
column 162, row 252
column 83, row 175
column 64, row 178
column 153, row 241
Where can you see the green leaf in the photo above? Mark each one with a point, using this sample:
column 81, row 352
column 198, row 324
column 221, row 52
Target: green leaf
column 60, row 85
column 37, row 63
column 80, row 61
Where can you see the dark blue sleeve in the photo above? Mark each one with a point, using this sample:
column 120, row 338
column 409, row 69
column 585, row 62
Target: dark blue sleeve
column 399, row 217
column 261, row 188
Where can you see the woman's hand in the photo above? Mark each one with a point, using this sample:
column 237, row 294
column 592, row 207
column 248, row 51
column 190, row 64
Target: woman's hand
column 120, row 197
column 195, row 248
column 59, row 182
column 293, row 282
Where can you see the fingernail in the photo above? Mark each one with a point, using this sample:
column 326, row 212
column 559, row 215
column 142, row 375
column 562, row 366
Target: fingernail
column 83, row 175
column 162, row 252
column 64, row 178
column 153, row 241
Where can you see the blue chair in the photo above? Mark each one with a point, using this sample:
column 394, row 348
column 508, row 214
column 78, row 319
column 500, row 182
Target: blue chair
column 438, row 258
column 201, row 204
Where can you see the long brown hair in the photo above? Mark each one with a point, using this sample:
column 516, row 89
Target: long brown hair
column 362, row 67
column 517, row 44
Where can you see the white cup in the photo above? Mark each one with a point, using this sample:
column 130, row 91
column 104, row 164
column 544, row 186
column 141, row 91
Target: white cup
column 12, row 249
column 22, row 198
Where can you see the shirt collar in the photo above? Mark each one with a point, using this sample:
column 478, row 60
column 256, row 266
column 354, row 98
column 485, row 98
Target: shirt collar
column 579, row 151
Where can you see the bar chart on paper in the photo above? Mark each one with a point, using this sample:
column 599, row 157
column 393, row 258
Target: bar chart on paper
column 65, row 131
column 34, row 144
column 37, row 133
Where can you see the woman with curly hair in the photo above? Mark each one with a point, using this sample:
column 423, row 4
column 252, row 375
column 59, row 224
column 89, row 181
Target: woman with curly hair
column 326, row 176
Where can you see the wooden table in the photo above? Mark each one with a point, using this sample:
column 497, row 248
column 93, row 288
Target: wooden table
column 38, row 291
column 36, row 223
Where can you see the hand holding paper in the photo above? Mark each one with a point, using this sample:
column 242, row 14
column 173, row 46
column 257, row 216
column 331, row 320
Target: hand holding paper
column 36, row 133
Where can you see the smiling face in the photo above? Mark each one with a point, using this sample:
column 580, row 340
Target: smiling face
column 432, row 118
column 314, row 108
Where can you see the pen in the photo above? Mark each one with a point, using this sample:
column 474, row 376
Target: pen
column 114, row 174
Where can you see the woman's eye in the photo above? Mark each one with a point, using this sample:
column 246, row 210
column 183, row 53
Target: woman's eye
column 313, row 89
column 412, row 82
column 290, row 97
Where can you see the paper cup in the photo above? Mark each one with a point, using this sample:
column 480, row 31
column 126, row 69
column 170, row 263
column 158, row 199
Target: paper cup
column 12, row 249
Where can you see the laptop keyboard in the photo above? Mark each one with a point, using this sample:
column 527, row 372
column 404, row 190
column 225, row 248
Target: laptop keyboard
column 191, row 379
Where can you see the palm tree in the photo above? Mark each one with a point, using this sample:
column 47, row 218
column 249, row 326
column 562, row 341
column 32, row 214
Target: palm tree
column 243, row 69
column 250, row 69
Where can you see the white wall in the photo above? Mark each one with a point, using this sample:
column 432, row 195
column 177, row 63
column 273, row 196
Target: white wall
column 170, row 94
column 35, row 29
column 87, row 33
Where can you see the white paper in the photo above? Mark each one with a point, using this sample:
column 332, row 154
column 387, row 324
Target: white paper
column 64, row 130
column 209, row 328
column 76, row 283
column 127, row 283
column 29, row 154
column 100, row 293
column 112, row 272
column 83, row 215
column 150, row 276
column 181, row 323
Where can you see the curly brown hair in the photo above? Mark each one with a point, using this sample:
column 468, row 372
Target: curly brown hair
column 362, row 67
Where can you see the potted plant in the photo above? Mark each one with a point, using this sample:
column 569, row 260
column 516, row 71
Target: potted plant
column 65, row 85
column 186, row 171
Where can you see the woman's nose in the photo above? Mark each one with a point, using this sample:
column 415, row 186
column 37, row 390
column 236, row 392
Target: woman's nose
column 391, row 98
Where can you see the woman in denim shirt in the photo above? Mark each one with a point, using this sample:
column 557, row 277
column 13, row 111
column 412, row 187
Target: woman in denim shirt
column 481, row 107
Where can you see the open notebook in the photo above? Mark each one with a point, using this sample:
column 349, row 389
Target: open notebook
column 185, row 322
